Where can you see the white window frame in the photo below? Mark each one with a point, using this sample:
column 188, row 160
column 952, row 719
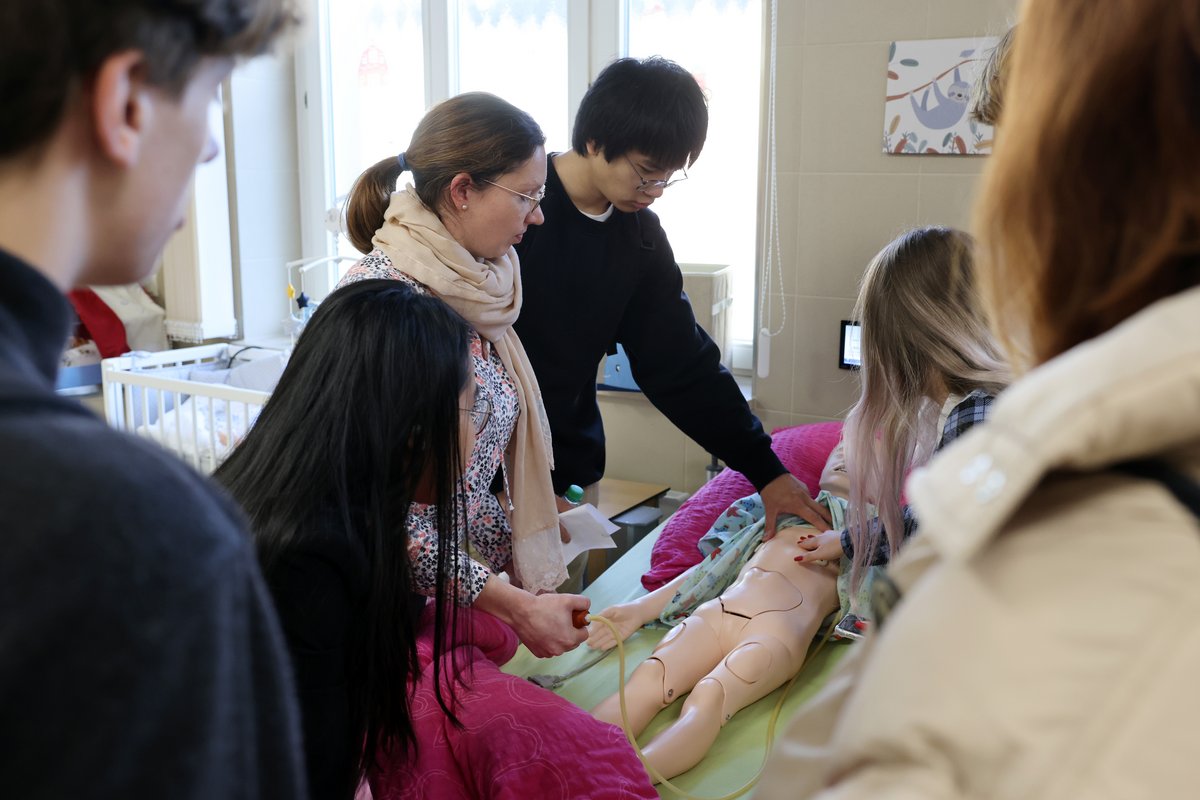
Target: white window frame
column 597, row 33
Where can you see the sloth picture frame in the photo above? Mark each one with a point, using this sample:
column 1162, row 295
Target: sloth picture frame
column 928, row 95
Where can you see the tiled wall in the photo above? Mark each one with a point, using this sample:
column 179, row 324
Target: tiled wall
column 841, row 199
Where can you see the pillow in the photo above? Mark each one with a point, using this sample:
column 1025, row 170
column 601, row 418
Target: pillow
column 803, row 450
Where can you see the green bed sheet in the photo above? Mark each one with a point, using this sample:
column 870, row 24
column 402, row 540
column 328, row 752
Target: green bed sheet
column 738, row 753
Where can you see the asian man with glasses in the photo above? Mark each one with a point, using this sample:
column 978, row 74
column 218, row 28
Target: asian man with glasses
column 600, row 271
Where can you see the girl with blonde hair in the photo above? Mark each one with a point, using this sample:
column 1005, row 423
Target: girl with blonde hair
column 930, row 370
column 745, row 617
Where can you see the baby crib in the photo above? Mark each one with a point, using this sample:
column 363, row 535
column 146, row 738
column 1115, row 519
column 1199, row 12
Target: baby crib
column 197, row 402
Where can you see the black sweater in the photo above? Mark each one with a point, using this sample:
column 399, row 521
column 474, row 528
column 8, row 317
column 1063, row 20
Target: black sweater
column 141, row 656
column 320, row 582
column 588, row 285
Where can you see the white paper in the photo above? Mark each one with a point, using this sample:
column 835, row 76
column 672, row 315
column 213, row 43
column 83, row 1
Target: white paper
column 589, row 530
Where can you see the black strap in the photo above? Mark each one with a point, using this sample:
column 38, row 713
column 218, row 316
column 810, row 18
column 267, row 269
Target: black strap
column 1185, row 490
column 643, row 234
column 885, row 594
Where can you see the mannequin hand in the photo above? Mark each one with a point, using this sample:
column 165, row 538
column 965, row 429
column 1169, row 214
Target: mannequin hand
column 546, row 627
column 824, row 546
column 627, row 618
column 786, row 495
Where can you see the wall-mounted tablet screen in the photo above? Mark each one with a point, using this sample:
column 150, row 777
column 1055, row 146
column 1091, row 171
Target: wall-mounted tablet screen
column 850, row 345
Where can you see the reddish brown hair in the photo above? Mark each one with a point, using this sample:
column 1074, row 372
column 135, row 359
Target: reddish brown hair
column 1090, row 207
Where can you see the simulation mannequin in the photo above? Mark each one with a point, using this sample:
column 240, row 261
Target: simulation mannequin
column 733, row 650
column 917, row 307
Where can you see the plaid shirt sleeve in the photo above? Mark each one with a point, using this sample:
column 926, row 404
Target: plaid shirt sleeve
column 970, row 411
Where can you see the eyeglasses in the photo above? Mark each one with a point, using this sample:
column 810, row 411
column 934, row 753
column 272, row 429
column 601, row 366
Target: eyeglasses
column 647, row 184
column 480, row 411
column 535, row 199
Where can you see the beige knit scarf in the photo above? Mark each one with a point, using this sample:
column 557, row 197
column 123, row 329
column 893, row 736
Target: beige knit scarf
column 488, row 295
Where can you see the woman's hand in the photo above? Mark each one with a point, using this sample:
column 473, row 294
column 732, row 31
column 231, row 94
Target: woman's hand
column 824, row 546
column 627, row 618
column 542, row 622
column 546, row 627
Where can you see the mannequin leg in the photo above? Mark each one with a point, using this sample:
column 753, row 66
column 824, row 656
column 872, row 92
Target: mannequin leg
column 684, row 655
column 643, row 698
column 769, row 650
column 752, row 671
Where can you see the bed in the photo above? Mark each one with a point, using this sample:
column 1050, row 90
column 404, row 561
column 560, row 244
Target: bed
column 738, row 752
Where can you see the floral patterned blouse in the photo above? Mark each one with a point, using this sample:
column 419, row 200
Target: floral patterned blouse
column 488, row 529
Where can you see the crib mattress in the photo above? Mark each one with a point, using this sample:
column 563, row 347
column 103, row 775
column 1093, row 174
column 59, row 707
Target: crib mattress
column 738, row 752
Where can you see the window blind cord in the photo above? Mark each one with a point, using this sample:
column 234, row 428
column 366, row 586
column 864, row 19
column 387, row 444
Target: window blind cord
column 771, row 263
column 772, row 268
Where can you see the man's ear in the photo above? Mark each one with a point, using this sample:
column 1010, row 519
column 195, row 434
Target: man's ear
column 120, row 106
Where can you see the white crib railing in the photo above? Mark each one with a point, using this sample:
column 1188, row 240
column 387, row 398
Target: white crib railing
column 151, row 395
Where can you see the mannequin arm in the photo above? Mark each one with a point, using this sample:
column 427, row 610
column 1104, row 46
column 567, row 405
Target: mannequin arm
column 628, row 617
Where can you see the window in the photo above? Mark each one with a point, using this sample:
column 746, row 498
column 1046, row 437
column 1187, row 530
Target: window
column 381, row 63
column 376, row 85
column 723, row 186
column 518, row 50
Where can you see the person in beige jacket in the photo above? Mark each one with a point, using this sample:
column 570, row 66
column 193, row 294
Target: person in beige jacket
column 1043, row 639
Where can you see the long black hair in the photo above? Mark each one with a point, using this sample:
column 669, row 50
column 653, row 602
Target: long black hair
column 366, row 411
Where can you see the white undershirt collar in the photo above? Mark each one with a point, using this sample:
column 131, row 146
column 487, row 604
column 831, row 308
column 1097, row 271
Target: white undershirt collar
column 602, row 216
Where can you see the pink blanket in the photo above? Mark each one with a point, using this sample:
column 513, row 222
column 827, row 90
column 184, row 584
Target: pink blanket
column 518, row 742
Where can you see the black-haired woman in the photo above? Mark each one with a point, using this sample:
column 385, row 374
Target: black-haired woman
column 376, row 410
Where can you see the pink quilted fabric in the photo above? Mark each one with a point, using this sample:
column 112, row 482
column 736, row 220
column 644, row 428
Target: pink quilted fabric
column 803, row 449
column 518, row 741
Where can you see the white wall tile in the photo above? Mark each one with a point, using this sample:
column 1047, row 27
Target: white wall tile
column 948, row 200
column 954, row 18
column 841, row 122
column 843, row 222
column 819, row 387
column 790, row 22
column 827, row 21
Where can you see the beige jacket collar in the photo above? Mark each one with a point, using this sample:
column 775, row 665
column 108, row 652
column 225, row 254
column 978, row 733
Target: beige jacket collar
column 1131, row 393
